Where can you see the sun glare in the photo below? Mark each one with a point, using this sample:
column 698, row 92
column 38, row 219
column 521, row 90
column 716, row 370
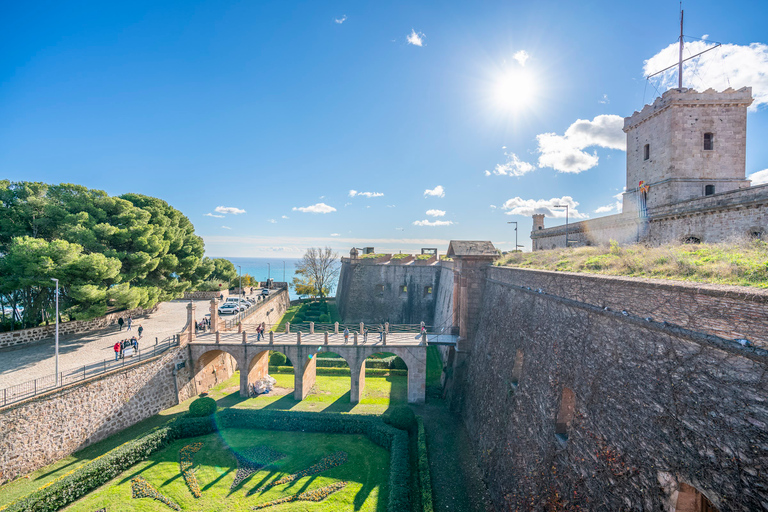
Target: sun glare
column 515, row 89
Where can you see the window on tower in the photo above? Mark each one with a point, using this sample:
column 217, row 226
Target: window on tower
column 709, row 141
column 709, row 190
column 647, row 152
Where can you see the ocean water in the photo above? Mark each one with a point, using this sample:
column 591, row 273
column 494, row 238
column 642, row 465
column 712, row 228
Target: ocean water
column 262, row 268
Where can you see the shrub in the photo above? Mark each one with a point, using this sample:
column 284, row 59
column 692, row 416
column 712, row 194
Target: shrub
column 203, row 406
column 325, row 318
column 398, row 363
column 425, row 479
column 277, row 359
column 402, row 417
column 400, row 256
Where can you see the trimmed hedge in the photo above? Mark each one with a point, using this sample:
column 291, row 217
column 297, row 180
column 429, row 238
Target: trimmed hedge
column 203, row 406
column 277, row 359
column 425, row 479
column 402, row 417
column 88, row 477
column 342, row 372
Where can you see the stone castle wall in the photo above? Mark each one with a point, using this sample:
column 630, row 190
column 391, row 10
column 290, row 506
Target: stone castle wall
column 654, row 406
column 25, row 336
column 44, row 429
column 373, row 292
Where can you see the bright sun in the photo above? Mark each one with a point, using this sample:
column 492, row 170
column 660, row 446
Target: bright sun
column 515, row 89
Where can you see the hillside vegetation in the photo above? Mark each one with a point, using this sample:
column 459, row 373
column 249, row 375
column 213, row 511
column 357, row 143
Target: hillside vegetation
column 742, row 263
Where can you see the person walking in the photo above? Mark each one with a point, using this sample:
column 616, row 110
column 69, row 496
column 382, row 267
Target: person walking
column 130, row 321
column 120, row 322
column 141, row 330
column 117, row 350
column 381, row 332
column 346, row 335
column 365, row 335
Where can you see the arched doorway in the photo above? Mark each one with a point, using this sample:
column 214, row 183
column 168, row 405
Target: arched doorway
column 689, row 499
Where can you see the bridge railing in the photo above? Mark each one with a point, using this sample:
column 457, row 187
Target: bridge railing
column 47, row 383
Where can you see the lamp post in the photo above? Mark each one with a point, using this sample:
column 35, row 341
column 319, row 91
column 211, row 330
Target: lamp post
column 515, row 223
column 566, row 221
column 57, row 329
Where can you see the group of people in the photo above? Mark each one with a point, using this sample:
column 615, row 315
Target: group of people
column 203, row 325
column 128, row 322
column 121, row 345
column 365, row 334
column 260, row 331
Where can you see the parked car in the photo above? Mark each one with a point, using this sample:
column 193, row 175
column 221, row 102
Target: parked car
column 265, row 291
column 229, row 308
column 241, row 303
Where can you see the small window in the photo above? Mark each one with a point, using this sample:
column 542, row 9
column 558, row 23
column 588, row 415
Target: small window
column 691, row 240
column 709, row 190
column 380, row 289
column 427, row 291
column 517, row 371
column 403, row 290
column 541, row 227
column 709, row 141
column 647, row 152
column 565, row 415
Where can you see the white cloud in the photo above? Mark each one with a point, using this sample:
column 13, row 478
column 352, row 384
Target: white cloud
column 521, row 56
column 527, row 207
column 335, row 234
column 225, row 227
column 564, row 153
column 438, row 191
column 272, row 221
column 435, row 213
column 731, row 65
column 390, row 206
column 615, row 206
column 493, row 207
column 759, row 177
column 229, row 209
column 512, row 167
column 416, row 38
column 341, row 20
column 315, row 208
column 604, row 100
column 213, row 215
column 353, row 193
column 432, row 222
column 285, row 217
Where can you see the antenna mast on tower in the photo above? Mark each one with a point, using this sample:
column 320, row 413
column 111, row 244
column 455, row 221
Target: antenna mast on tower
column 680, row 60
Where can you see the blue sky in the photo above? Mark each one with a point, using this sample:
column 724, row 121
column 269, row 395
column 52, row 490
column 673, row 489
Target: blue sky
column 270, row 111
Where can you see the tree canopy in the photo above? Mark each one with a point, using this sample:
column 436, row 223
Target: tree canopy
column 318, row 271
column 107, row 252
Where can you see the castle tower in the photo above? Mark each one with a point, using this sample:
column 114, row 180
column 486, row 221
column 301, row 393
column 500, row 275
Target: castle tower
column 538, row 221
column 686, row 145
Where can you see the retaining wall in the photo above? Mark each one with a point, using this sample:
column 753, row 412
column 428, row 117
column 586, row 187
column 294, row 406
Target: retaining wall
column 24, row 336
column 655, row 406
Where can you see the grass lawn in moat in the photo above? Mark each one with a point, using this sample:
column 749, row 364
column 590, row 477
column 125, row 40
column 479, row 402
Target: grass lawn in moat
column 366, row 473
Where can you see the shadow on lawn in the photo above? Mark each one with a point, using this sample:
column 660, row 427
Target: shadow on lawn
column 341, row 404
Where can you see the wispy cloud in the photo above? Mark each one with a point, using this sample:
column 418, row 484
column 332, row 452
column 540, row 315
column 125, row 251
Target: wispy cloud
column 415, row 38
column 438, row 191
column 436, row 213
column 335, row 234
column 731, row 65
column 759, row 177
column 272, row 221
column 225, row 227
column 615, row 206
column 315, row 208
column 564, row 153
column 604, row 100
column 354, row 193
column 521, row 56
column 213, row 215
column 285, row 217
column 390, row 206
column 426, row 222
column 341, row 20
column 527, row 207
column 229, row 209
column 512, row 167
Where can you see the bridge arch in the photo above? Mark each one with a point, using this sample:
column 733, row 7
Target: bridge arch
column 214, row 366
column 415, row 363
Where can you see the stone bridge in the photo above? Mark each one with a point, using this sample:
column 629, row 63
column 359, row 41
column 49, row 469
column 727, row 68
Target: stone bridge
column 252, row 357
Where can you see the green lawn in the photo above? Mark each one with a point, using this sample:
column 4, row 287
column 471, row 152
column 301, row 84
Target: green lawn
column 215, row 466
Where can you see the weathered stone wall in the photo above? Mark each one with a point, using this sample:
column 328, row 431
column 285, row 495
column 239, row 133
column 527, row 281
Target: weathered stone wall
column 372, row 292
column 270, row 311
column 731, row 312
column 47, row 428
column 24, row 336
column 652, row 402
column 205, row 295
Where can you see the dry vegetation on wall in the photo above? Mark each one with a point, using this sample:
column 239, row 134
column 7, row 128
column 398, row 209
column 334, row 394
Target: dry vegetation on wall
column 740, row 263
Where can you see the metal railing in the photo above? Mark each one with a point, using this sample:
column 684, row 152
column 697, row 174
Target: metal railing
column 47, row 383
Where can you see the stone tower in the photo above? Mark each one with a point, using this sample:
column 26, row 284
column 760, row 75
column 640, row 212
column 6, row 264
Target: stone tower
column 687, row 145
column 538, row 221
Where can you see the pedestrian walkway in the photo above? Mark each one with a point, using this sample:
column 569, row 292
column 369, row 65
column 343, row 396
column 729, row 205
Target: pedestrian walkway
column 25, row 363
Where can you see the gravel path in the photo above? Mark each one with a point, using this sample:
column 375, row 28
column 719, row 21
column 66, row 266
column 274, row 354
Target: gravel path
column 25, row 363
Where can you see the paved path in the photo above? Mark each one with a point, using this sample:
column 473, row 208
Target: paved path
column 25, row 363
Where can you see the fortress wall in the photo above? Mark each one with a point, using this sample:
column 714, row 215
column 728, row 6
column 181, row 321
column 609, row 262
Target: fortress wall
column 45, row 429
column 269, row 312
column 731, row 312
column 24, row 336
column 654, row 406
column 370, row 292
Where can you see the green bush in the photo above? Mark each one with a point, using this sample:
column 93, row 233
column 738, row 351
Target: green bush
column 341, row 371
column 325, row 318
column 277, row 359
column 425, row 479
column 203, row 406
column 402, row 417
column 398, row 363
